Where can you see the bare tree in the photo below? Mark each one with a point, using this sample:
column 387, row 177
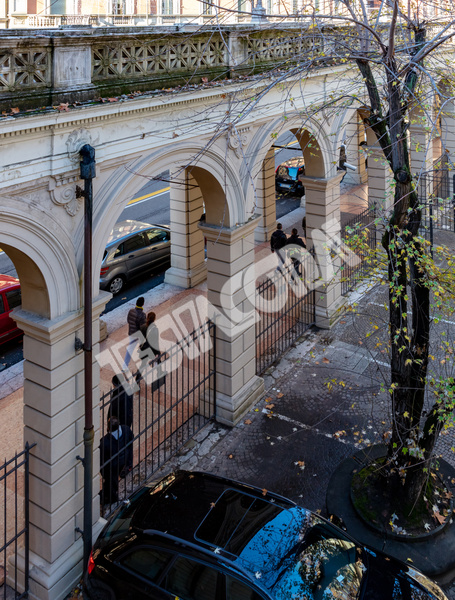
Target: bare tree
column 401, row 51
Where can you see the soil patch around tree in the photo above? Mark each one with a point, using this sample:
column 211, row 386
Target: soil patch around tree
column 385, row 509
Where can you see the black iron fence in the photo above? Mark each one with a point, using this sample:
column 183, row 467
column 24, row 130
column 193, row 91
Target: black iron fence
column 285, row 304
column 437, row 200
column 144, row 426
column 357, row 263
column 14, row 495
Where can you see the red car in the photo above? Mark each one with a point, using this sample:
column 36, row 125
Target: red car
column 10, row 297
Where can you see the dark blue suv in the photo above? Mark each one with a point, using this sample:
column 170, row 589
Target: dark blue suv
column 195, row 536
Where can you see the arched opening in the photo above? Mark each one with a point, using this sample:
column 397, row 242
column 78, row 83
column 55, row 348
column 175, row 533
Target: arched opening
column 283, row 158
column 191, row 191
column 35, row 295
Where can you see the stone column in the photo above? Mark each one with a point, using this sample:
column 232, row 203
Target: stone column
column 323, row 232
column 354, row 155
column 381, row 185
column 448, row 129
column 237, row 54
column 54, row 419
column 266, row 199
column 188, row 266
column 231, row 290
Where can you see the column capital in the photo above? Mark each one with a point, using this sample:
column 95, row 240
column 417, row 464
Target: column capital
column 229, row 235
column 322, row 184
column 52, row 330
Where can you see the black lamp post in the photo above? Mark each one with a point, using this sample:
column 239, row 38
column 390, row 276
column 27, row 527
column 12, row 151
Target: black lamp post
column 88, row 172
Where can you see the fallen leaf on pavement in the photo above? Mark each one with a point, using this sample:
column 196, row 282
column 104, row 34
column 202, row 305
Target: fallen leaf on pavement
column 248, row 422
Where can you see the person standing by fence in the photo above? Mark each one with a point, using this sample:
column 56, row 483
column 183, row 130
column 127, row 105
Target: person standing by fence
column 116, row 458
column 121, row 403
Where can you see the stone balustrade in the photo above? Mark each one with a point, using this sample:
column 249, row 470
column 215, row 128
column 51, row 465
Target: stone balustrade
column 77, row 64
column 80, row 63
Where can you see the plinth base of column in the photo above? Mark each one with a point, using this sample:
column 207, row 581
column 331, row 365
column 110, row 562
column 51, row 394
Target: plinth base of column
column 263, row 234
column 326, row 317
column 51, row 581
column 186, row 278
column 230, row 409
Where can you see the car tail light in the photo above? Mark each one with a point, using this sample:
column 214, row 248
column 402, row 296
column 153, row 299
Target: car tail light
column 103, row 271
column 91, row 563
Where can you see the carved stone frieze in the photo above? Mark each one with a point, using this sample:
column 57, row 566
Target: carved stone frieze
column 239, row 138
column 75, row 141
column 63, row 193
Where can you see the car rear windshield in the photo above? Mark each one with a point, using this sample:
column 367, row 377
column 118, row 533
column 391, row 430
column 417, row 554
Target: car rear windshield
column 252, row 529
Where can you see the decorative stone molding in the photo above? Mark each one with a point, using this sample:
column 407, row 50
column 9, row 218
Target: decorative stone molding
column 75, row 141
column 25, row 68
column 279, row 46
column 63, row 193
column 140, row 59
column 239, row 139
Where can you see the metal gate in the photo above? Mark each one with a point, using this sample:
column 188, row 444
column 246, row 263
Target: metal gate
column 285, row 305
column 174, row 400
column 15, row 531
column 437, row 200
column 353, row 269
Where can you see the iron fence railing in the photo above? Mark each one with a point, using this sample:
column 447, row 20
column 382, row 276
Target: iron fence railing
column 174, row 399
column 285, row 303
column 15, row 530
column 357, row 264
column 436, row 193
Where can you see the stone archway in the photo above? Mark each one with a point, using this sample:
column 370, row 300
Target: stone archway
column 261, row 196
column 115, row 183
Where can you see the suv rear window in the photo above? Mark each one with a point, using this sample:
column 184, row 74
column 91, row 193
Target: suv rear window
column 149, row 562
column 235, row 519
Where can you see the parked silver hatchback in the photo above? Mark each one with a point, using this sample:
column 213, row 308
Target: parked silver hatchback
column 132, row 249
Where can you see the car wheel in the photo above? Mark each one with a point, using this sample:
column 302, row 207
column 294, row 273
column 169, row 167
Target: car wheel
column 116, row 284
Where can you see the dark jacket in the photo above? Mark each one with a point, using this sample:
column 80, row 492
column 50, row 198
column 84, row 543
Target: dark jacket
column 121, row 406
column 136, row 318
column 296, row 240
column 278, row 240
column 116, row 460
column 116, row 454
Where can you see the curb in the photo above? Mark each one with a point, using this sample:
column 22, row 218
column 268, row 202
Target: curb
column 434, row 556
